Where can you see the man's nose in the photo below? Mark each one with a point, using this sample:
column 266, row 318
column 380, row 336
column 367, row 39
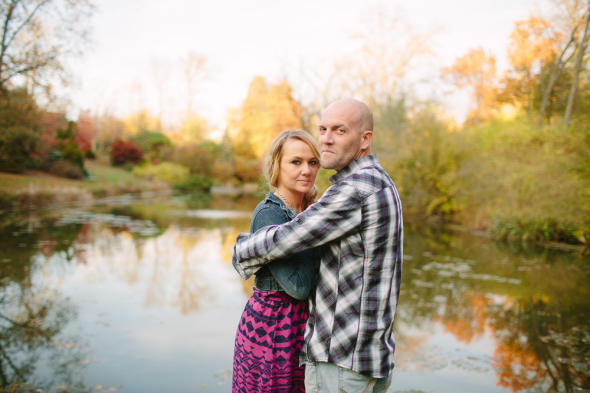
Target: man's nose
column 326, row 138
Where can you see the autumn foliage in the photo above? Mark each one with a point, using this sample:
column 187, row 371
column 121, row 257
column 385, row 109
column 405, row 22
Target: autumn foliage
column 125, row 151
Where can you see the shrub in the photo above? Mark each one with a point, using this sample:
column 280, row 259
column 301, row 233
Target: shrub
column 196, row 183
column 223, row 171
column 72, row 154
column 16, row 145
column 65, row 169
column 20, row 144
column 122, row 152
column 90, row 154
column 152, row 143
column 166, row 171
column 199, row 158
column 528, row 229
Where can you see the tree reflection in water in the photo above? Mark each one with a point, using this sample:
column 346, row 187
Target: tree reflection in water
column 34, row 315
column 533, row 303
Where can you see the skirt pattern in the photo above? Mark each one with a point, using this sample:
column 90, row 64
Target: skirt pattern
column 268, row 345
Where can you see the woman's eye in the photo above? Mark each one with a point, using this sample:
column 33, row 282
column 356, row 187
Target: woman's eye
column 296, row 162
column 313, row 163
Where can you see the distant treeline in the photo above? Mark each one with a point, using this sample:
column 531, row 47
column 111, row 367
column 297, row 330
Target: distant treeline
column 519, row 165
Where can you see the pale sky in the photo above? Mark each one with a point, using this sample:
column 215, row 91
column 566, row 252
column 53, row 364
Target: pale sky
column 259, row 37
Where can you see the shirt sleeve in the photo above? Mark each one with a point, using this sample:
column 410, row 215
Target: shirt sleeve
column 336, row 214
column 295, row 273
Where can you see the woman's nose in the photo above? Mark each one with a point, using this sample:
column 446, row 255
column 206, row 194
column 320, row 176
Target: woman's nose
column 306, row 170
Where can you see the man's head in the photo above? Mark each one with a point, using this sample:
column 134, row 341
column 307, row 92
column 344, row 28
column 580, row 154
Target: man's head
column 346, row 131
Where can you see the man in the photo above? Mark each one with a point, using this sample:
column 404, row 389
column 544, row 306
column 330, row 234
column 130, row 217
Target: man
column 348, row 343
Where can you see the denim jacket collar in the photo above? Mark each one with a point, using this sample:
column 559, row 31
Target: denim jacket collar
column 272, row 198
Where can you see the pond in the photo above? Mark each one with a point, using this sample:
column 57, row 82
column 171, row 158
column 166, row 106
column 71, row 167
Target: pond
column 139, row 295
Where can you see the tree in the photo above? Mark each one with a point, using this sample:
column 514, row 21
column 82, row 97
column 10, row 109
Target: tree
column 142, row 120
column 388, row 48
column 152, row 143
column 36, row 36
column 476, row 71
column 195, row 73
column 533, row 46
column 20, row 131
column 557, row 67
column 266, row 112
column 581, row 48
column 86, row 131
column 161, row 76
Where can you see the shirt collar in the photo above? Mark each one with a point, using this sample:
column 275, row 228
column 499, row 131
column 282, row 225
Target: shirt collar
column 354, row 166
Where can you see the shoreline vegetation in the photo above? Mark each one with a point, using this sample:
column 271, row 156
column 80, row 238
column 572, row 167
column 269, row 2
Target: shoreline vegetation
column 36, row 189
column 40, row 190
column 517, row 168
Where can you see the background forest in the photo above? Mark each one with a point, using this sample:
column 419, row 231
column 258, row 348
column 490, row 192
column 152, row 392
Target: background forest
column 519, row 164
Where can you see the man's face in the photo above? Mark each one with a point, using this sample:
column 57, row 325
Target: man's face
column 340, row 140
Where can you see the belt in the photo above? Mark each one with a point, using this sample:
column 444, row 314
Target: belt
column 267, row 284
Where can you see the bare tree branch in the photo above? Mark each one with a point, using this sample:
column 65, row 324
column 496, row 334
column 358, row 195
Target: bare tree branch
column 581, row 50
column 555, row 71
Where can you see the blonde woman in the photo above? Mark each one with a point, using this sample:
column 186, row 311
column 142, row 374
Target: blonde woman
column 270, row 332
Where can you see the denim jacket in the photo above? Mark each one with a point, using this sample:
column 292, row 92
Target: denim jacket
column 295, row 275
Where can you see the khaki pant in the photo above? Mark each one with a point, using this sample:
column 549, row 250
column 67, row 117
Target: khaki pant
column 323, row 377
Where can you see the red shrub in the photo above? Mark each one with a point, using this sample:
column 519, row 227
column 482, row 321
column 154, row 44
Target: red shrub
column 122, row 152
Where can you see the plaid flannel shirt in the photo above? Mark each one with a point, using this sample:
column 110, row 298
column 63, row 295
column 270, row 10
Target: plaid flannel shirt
column 358, row 223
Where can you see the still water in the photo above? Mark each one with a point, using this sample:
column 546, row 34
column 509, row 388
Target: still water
column 140, row 296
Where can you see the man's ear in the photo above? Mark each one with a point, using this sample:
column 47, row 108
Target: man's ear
column 367, row 138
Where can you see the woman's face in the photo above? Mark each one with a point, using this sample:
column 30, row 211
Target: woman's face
column 299, row 167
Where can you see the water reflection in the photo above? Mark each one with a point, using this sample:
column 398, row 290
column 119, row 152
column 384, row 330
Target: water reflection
column 34, row 312
column 112, row 296
column 533, row 304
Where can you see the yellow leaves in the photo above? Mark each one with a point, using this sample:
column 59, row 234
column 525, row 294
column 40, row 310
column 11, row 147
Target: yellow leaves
column 266, row 112
column 193, row 130
column 532, row 43
column 139, row 121
column 477, row 72
column 473, row 69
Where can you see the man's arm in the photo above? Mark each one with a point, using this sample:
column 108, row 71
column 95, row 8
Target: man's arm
column 336, row 214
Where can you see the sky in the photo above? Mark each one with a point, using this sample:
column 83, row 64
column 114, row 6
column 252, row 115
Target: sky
column 241, row 40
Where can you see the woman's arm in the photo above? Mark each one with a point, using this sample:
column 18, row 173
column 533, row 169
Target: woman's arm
column 296, row 273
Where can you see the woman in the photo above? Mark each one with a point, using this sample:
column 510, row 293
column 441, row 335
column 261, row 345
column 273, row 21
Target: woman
column 270, row 332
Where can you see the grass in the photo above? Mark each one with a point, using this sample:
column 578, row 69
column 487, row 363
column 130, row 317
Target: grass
column 103, row 172
column 15, row 190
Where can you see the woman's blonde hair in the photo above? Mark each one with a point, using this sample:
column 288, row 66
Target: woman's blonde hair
column 272, row 161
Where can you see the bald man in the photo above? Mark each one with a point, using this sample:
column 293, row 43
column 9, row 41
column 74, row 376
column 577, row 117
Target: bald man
column 348, row 344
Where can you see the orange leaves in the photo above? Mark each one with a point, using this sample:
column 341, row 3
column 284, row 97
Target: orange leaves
column 533, row 43
column 517, row 365
column 468, row 321
column 476, row 71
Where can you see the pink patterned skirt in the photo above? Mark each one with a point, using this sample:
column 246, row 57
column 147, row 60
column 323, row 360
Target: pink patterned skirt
column 268, row 344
